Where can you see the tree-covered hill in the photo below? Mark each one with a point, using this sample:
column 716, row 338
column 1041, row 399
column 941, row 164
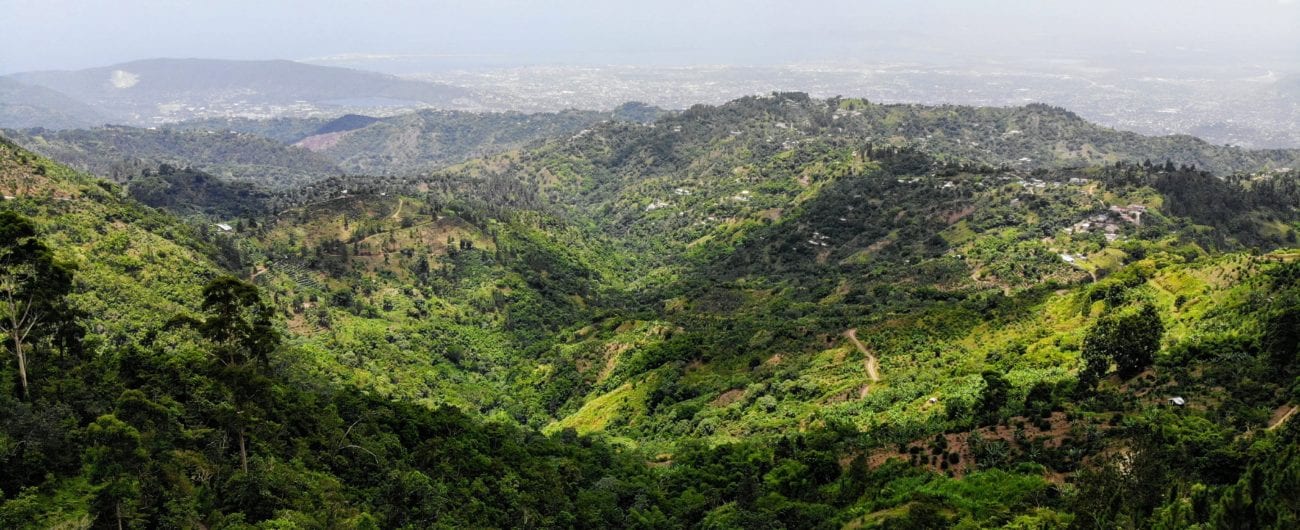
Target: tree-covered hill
column 426, row 140
column 122, row 152
column 188, row 192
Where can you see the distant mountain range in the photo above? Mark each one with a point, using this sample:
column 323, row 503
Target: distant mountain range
column 155, row 91
column 23, row 105
column 289, row 151
column 429, row 139
column 121, row 152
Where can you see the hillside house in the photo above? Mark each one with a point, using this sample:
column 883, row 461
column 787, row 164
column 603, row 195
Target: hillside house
column 1131, row 213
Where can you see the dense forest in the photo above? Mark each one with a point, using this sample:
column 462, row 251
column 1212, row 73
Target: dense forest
column 781, row 312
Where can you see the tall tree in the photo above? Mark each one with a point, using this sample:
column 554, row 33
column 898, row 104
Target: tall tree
column 237, row 322
column 115, row 461
column 239, row 325
column 33, row 288
column 994, row 395
column 1281, row 338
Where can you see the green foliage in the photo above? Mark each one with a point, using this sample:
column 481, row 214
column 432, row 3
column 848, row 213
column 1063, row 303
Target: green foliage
column 116, row 460
column 1129, row 339
column 190, row 191
column 1281, row 339
column 33, row 288
column 237, row 322
column 992, row 397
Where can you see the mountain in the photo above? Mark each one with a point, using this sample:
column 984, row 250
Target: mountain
column 670, row 181
column 155, row 91
column 769, row 313
column 25, row 106
column 255, row 150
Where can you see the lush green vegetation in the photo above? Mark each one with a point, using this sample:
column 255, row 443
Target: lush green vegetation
column 756, row 315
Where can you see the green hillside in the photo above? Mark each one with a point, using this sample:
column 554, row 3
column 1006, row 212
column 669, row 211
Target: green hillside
column 780, row 312
column 430, row 139
column 121, row 152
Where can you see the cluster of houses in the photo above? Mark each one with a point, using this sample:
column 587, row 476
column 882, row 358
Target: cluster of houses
column 1036, row 183
column 1027, row 182
column 819, row 240
column 1131, row 213
column 1104, row 221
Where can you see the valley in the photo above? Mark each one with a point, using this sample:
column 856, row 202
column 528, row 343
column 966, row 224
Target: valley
column 780, row 310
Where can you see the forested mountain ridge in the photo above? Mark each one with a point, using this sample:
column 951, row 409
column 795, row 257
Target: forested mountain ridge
column 290, row 152
column 1028, row 138
column 684, row 178
column 121, row 152
column 720, row 322
column 414, row 143
column 427, row 140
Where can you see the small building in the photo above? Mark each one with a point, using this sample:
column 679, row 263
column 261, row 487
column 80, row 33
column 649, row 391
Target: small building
column 1177, row 401
column 225, row 227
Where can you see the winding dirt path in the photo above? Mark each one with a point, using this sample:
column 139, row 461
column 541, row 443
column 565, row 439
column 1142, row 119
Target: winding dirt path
column 872, row 364
column 1278, row 422
column 397, row 213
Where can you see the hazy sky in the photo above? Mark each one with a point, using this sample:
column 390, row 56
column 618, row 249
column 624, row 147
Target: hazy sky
column 68, row 34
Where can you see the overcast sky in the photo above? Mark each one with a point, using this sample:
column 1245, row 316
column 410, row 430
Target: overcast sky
column 67, row 34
